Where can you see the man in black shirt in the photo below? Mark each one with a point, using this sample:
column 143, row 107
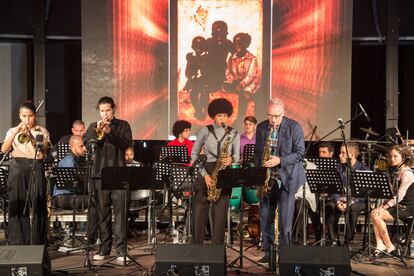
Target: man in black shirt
column 114, row 138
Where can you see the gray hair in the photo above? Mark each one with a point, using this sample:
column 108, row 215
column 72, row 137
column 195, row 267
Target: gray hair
column 276, row 102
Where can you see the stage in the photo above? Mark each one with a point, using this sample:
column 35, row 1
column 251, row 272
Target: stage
column 141, row 253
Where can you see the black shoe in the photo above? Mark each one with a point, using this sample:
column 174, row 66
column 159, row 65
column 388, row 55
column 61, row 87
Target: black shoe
column 102, row 254
column 264, row 260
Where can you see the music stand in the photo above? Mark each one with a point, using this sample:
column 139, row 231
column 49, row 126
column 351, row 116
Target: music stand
column 72, row 179
column 324, row 182
column 182, row 180
column 177, row 154
column 367, row 184
column 324, row 163
column 248, row 154
column 62, row 150
column 124, row 178
column 241, row 177
column 3, row 195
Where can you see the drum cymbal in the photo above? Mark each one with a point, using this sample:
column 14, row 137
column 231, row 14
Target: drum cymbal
column 369, row 131
column 409, row 142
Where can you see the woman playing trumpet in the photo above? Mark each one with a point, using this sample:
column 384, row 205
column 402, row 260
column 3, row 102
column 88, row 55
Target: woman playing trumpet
column 21, row 139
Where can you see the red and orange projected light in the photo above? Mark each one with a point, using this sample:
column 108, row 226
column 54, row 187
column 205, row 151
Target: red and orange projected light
column 140, row 58
column 307, row 37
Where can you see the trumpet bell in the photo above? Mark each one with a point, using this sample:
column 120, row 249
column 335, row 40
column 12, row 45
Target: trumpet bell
column 100, row 134
column 23, row 138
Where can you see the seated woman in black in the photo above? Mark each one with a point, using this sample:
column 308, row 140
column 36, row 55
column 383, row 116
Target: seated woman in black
column 399, row 157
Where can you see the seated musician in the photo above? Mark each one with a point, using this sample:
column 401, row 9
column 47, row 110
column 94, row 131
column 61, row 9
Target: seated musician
column 78, row 128
column 181, row 131
column 337, row 206
column 129, row 158
column 400, row 158
column 63, row 198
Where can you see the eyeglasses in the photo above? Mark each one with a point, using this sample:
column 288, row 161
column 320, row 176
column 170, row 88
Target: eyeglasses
column 274, row 115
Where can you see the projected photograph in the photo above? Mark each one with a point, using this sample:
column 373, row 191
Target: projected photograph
column 217, row 51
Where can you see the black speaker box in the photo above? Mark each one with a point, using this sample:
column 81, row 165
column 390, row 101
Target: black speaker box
column 23, row 260
column 314, row 260
column 190, row 259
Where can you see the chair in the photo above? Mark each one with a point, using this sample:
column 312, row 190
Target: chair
column 409, row 224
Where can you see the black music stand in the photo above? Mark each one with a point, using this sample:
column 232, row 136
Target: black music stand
column 62, row 150
column 126, row 178
column 324, row 163
column 366, row 184
column 248, row 154
column 174, row 155
column 177, row 154
column 3, row 195
column 183, row 179
column 72, row 179
column 324, row 182
column 241, row 177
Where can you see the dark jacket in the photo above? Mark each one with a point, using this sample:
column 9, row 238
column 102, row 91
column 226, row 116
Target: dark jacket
column 291, row 148
column 111, row 150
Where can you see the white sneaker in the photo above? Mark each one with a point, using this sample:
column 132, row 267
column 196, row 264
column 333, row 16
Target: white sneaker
column 102, row 254
column 121, row 258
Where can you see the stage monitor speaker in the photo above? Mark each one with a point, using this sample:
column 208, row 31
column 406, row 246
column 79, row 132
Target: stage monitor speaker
column 190, row 259
column 23, row 260
column 314, row 260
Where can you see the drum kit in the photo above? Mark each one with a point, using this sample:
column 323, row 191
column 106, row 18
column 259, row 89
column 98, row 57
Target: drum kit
column 373, row 153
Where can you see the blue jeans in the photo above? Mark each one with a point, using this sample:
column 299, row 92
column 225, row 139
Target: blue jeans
column 286, row 202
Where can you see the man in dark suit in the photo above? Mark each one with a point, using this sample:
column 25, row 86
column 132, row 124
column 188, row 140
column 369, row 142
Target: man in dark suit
column 287, row 174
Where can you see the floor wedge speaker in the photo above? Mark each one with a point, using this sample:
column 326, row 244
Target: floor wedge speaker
column 314, row 260
column 23, row 260
column 190, row 259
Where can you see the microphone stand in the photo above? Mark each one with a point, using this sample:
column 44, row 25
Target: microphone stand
column 302, row 206
column 32, row 182
column 5, row 155
column 347, row 182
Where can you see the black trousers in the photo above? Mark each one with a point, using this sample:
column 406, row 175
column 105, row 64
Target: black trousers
column 297, row 236
column 67, row 202
column 201, row 212
column 332, row 219
column 18, row 183
column 104, row 200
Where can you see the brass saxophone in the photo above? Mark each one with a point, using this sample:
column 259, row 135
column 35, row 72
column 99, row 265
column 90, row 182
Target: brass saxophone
column 262, row 190
column 213, row 194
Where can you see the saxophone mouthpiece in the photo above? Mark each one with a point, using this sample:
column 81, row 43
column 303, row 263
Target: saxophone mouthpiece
column 223, row 125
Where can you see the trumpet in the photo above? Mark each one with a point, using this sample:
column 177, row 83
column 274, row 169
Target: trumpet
column 24, row 136
column 100, row 134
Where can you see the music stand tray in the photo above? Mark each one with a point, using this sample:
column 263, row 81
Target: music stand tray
column 62, row 150
column 324, row 163
column 372, row 184
column 182, row 179
column 248, row 154
column 177, row 154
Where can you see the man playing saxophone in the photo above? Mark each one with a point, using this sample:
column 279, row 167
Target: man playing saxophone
column 221, row 146
column 282, row 138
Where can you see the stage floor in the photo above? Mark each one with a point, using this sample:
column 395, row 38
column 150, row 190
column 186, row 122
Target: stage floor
column 139, row 251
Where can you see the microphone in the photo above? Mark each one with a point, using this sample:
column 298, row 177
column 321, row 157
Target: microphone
column 200, row 160
column 365, row 113
column 341, row 121
column 39, row 141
